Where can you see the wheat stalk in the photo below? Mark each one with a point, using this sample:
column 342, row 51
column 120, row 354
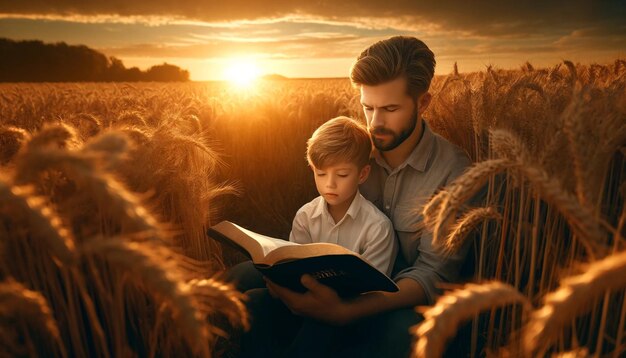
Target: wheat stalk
column 442, row 320
column 580, row 218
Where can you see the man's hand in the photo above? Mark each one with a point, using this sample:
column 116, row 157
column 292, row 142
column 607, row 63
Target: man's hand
column 319, row 302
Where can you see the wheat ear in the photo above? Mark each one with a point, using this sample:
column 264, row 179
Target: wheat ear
column 41, row 219
column 579, row 217
column 575, row 294
column 459, row 192
column 83, row 169
column 58, row 135
column 11, row 140
column 576, row 353
column 215, row 296
column 442, row 320
column 160, row 276
column 465, row 224
column 20, row 304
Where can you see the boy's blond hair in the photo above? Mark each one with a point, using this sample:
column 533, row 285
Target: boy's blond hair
column 341, row 139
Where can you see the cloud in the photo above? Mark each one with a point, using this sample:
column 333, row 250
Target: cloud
column 477, row 18
column 303, row 45
column 282, row 31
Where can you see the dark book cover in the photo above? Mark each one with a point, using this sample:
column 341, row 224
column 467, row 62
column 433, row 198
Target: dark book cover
column 347, row 274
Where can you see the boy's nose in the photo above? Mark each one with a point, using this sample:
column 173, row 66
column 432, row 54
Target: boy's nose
column 331, row 183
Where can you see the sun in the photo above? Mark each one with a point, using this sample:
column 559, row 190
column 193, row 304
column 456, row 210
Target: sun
column 242, row 72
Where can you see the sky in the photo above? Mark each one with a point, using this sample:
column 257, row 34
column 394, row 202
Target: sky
column 213, row 38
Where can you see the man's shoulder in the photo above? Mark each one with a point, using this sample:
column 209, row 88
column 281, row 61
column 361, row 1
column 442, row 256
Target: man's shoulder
column 450, row 150
column 450, row 155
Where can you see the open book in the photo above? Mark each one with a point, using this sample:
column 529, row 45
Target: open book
column 284, row 262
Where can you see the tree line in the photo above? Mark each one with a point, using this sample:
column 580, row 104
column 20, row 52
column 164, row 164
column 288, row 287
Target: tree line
column 35, row 61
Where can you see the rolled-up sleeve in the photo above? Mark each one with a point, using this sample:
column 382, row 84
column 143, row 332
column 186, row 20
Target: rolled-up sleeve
column 432, row 267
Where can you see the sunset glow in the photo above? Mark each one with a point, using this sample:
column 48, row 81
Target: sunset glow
column 242, row 72
column 300, row 40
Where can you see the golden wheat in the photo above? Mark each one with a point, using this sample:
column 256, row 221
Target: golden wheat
column 464, row 225
column 58, row 135
column 44, row 224
column 11, row 140
column 159, row 276
column 26, row 308
column 442, row 320
column 574, row 295
column 459, row 192
column 103, row 187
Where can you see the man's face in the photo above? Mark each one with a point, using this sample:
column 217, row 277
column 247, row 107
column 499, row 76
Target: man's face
column 391, row 113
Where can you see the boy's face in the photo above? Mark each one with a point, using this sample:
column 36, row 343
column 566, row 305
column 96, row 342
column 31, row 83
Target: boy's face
column 391, row 113
column 339, row 182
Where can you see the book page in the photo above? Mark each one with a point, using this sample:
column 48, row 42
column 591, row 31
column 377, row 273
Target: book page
column 268, row 250
column 267, row 243
column 300, row 251
column 256, row 245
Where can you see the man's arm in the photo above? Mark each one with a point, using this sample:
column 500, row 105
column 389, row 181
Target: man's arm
column 322, row 303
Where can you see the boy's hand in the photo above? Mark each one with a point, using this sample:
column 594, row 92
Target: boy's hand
column 320, row 301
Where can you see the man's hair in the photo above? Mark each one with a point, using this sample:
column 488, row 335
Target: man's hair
column 397, row 56
column 341, row 139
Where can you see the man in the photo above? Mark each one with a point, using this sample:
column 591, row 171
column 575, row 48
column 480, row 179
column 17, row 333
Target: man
column 409, row 165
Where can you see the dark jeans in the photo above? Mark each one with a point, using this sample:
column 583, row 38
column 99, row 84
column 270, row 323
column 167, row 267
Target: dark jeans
column 276, row 332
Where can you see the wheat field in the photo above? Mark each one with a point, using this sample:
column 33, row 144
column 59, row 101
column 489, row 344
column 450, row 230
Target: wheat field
column 107, row 190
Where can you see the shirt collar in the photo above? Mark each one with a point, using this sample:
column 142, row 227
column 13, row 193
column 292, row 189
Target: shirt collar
column 419, row 157
column 320, row 208
column 353, row 210
column 355, row 206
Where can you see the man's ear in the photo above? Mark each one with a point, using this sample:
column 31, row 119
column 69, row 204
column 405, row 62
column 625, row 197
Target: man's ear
column 365, row 172
column 423, row 102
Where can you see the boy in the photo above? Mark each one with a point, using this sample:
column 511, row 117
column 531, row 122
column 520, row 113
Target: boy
column 338, row 152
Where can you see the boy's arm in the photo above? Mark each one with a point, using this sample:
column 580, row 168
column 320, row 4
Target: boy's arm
column 300, row 229
column 322, row 303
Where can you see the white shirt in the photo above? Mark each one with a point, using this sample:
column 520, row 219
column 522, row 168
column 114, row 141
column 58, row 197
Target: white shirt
column 364, row 229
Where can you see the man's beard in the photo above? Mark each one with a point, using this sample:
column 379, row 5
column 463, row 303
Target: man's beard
column 397, row 138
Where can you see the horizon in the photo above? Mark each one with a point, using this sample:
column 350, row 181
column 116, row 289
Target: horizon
column 215, row 42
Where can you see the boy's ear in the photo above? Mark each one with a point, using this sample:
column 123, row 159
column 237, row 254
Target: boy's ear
column 365, row 172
